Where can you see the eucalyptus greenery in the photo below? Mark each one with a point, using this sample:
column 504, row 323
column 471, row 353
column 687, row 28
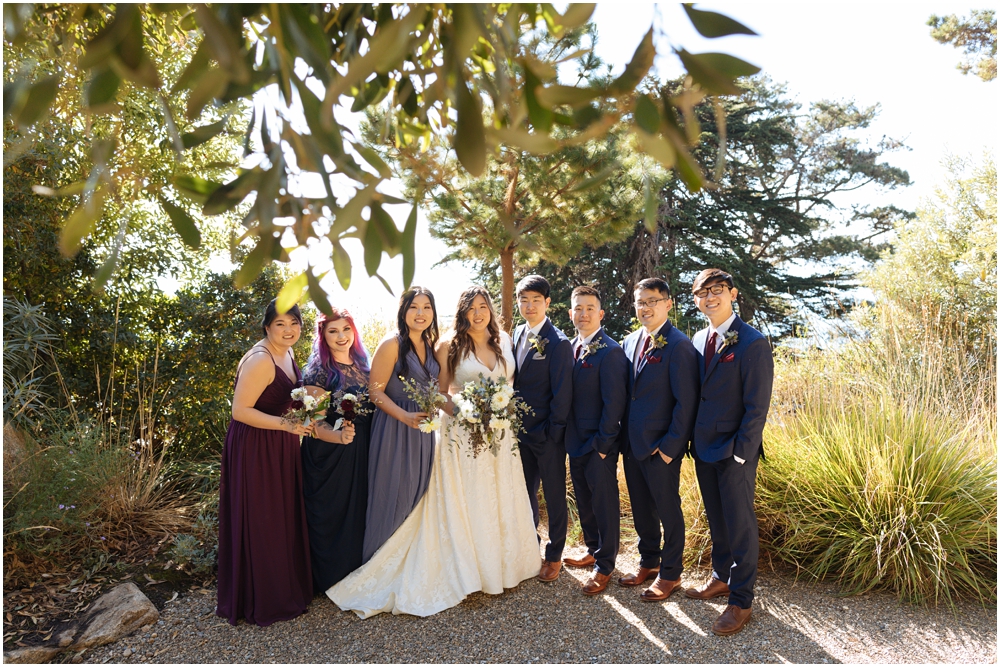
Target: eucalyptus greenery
column 438, row 68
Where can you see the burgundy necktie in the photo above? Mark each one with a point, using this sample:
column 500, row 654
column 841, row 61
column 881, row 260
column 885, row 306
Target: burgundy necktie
column 645, row 346
column 576, row 351
column 710, row 349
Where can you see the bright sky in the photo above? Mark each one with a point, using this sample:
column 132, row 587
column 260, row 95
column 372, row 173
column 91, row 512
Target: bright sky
column 871, row 52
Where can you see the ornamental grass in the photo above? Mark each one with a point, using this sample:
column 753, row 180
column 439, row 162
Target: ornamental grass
column 881, row 465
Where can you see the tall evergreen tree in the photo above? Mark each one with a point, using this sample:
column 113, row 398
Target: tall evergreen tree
column 528, row 204
column 775, row 219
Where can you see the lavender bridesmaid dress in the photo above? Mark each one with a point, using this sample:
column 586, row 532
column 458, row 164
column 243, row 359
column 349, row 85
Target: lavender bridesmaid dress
column 399, row 458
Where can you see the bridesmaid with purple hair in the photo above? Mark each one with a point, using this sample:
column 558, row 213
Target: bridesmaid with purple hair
column 335, row 462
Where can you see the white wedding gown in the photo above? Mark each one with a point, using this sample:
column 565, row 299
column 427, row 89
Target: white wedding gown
column 472, row 531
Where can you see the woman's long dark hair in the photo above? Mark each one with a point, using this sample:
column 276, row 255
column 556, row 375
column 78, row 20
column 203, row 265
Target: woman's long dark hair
column 429, row 335
column 461, row 343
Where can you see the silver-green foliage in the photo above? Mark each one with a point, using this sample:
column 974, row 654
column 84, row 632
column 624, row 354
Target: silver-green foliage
column 27, row 340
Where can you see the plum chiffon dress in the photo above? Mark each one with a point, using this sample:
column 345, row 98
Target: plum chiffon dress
column 264, row 569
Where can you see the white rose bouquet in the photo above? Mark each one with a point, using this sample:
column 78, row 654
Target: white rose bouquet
column 305, row 408
column 487, row 409
column 428, row 398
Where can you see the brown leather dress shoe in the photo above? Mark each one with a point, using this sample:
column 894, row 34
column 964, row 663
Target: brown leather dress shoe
column 642, row 576
column 597, row 583
column 731, row 621
column 549, row 571
column 660, row 590
column 587, row 560
column 713, row 588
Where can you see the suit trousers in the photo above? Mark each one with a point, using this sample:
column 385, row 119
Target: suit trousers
column 727, row 489
column 654, row 491
column 595, row 484
column 549, row 470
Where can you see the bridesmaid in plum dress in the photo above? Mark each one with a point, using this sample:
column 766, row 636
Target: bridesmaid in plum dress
column 264, row 569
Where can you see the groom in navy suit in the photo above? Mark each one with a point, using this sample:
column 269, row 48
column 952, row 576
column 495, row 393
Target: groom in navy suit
column 663, row 401
column 600, row 380
column 543, row 379
column 736, row 370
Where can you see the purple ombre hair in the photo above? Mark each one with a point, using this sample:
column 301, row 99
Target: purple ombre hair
column 321, row 356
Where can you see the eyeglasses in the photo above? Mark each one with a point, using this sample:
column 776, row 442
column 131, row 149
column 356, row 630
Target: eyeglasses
column 650, row 303
column 715, row 289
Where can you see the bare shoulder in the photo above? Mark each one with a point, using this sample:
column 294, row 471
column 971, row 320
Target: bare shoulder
column 388, row 345
column 256, row 363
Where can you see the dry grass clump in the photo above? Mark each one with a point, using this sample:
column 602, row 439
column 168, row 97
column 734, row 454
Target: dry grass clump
column 85, row 485
column 881, row 469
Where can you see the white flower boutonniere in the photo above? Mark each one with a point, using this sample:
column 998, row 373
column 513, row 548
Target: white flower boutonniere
column 538, row 343
column 729, row 339
column 592, row 348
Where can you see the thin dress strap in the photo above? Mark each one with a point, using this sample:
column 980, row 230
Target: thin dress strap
column 259, row 347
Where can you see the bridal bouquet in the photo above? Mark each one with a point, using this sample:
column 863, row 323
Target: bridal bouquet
column 351, row 404
column 428, row 398
column 306, row 409
column 487, row 409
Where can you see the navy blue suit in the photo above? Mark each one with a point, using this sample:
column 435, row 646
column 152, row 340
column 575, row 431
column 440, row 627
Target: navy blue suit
column 600, row 391
column 545, row 383
column 735, row 397
column 663, row 402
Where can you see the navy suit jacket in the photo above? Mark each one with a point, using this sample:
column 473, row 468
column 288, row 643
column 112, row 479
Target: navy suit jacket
column 600, row 391
column 545, row 383
column 663, row 395
column 735, row 396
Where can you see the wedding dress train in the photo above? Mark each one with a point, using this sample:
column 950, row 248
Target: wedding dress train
column 472, row 531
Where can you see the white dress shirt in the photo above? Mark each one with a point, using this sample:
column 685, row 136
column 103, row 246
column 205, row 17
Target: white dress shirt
column 522, row 349
column 578, row 342
column 700, row 340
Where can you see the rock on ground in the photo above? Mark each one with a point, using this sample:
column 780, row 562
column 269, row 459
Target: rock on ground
column 116, row 614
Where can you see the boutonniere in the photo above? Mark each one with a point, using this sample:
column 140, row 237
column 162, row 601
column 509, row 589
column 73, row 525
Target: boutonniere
column 538, row 343
column 592, row 348
column 658, row 343
column 729, row 339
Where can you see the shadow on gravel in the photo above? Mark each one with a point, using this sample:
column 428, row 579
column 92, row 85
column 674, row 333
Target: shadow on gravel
column 555, row 623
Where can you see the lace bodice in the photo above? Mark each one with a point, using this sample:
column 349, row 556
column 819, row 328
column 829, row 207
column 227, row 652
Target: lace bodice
column 471, row 367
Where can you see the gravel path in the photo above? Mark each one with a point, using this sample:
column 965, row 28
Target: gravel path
column 552, row 623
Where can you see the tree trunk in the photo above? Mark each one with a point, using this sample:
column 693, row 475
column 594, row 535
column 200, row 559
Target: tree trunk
column 747, row 309
column 507, row 254
column 507, row 289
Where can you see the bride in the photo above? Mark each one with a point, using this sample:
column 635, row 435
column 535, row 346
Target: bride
column 473, row 529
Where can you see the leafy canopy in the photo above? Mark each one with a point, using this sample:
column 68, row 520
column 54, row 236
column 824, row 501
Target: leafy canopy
column 429, row 63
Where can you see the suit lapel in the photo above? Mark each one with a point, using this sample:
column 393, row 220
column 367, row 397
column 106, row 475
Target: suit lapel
column 530, row 352
column 737, row 323
column 701, row 365
column 651, row 351
column 630, row 347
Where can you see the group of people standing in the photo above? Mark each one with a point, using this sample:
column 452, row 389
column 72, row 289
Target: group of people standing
column 385, row 518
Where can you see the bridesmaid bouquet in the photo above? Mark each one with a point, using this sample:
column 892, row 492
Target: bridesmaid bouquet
column 487, row 409
column 351, row 405
column 310, row 408
column 428, row 398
